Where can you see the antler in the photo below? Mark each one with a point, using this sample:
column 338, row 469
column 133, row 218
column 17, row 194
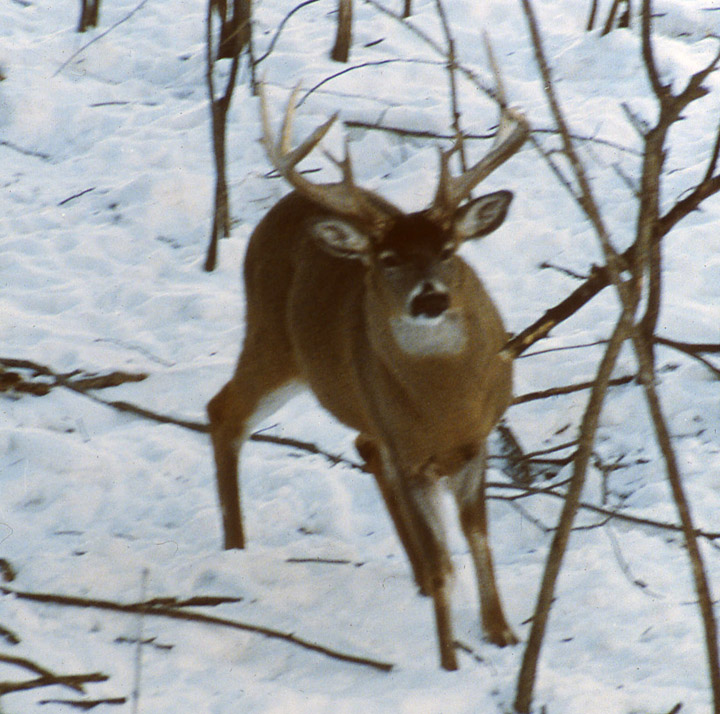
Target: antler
column 511, row 135
column 343, row 197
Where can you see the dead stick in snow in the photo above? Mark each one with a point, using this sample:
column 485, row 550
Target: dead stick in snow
column 527, row 491
column 70, row 680
column 569, row 389
column 45, row 677
column 85, row 704
column 149, row 609
column 77, row 379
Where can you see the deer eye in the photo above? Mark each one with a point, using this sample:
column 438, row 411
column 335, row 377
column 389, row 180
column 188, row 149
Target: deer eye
column 389, row 259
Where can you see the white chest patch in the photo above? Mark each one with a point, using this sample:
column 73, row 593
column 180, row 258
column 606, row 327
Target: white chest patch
column 270, row 403
column 429, row 336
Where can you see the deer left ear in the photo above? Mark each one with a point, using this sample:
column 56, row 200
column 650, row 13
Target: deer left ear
column 341, row 238
column 482, row 215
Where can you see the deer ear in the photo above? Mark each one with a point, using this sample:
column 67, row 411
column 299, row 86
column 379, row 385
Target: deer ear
column 341, row 238
column 483, row 215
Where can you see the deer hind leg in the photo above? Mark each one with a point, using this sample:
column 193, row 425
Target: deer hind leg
column 261, row 383
column 469, row 489
column 413, row 504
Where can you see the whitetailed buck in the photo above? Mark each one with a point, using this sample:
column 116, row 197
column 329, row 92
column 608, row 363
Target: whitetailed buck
column 376, row 313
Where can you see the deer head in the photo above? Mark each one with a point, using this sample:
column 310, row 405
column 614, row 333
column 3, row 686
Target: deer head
column 411, row 258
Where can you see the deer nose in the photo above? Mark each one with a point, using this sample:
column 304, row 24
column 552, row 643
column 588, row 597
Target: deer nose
column 429, row 302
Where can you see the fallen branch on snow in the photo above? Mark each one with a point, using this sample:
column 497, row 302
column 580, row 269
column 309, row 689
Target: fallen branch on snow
column 45, row 677
column 13, row 379
column 151, row 608
column 86, row 704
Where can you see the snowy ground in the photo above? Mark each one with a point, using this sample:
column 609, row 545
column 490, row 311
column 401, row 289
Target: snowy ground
column 104, row 215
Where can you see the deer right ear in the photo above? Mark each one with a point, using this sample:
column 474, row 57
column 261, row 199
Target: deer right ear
column 482, row 215
column 341, row 238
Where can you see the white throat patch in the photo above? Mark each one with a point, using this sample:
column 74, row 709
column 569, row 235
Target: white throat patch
column 430, row 336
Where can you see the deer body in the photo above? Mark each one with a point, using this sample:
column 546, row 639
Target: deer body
column 375, row 312
column 340, row 343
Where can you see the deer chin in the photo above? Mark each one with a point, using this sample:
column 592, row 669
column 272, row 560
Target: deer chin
column 423, row 336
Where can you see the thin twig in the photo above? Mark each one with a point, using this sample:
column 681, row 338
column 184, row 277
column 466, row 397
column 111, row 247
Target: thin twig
column 25, row 152
column 625, row 566
column 690, row 350
column 137, row 664
column 451, row 65
column 468, row 136
column 610, row 513
column 69, row 680
column 591, row 17
column 190, row 616
column 361, row 65
column 46, row 678
column 280, row 28
column 86, row 704
column 31, row 666
column 121, row 21
column 569, row 389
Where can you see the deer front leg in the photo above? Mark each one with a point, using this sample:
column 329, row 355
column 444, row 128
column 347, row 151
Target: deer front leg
column 469, row 490
column 226, row 426
column 370, row 453
column 415, row 498
column 258, row 386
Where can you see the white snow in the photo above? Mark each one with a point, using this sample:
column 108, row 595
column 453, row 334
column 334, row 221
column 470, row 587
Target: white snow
column 107, row 183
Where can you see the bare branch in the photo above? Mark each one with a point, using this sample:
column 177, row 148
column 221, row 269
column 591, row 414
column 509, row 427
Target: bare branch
column 591, row 17
column 362, row 65
column 702, row 585
column 95, row 39
column 646, row 257
column 610, row 513
column 279, row 29
column 343, row 38
column 46, row 678
column 451, row 69
column 528, row 669
column 569, row 389
column 586, row 198
column 691, row 348
column 658, row 87
column 426, row 134
column 151, row 610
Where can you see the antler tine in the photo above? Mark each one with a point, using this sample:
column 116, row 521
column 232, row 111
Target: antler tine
column 344, row 197
column 280, row 153
column 286, row 130
column 512, row 132
column 344, row 164
column 499, row 84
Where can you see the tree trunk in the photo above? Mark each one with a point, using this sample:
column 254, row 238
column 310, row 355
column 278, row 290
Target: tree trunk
column 236, row 34
column 343, row 40
column 89, row 14
column 235, row 30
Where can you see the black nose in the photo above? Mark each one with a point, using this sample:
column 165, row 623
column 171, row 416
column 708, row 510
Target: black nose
column 429, row 302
